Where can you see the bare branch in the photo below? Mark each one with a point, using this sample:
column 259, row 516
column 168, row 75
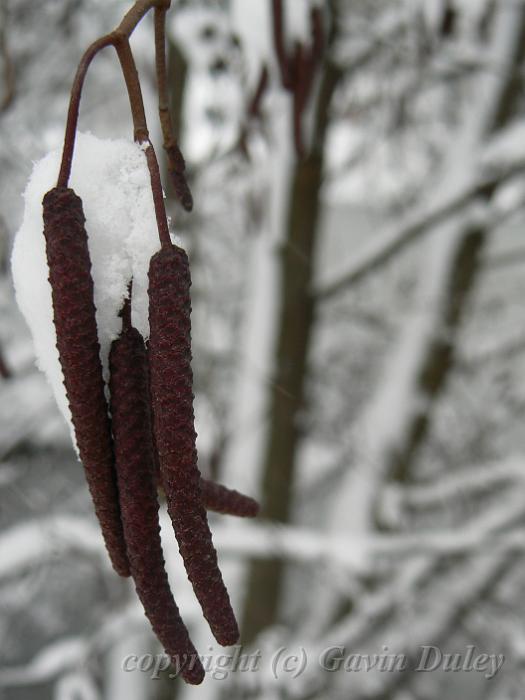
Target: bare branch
column 9, row 70
column 395, row 239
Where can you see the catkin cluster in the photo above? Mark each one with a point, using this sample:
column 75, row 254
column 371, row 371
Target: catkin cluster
column 145, row 437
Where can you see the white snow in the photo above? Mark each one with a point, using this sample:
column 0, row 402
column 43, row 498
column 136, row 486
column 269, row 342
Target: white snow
column 77, row 685
column 112, row 179
column 506, row 148
column 253, row 23
column 28, row 544
column 47, row 663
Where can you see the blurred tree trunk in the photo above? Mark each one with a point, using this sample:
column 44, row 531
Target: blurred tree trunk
column 296, row 316
column 435, row 364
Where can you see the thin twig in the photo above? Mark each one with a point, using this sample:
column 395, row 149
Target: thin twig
column 119, row 39
column 394, row 239
column 176, row 164
column 506, row 258
column 162, row 77
column 254, row 106
column 137, row 12
column 131, row 77
column 5, row 373
column 280, row 48
column 318, row 41
column 124, row 30
column 74, row 106
column 9, row 72
column 253, row 109
column 298, row 68
column 140, row 128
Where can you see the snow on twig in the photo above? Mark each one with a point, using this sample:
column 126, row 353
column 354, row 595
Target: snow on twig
column 25, row 403
column 69, row 655
column 48, row 663
column 384, row 246
column 300, row 544
column 464, row 483
column 387, row 423
column 27, row 545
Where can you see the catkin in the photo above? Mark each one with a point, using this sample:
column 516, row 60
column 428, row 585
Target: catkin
column 172, row 403
column 79, row 352
column 221, row 499
column 138, row 499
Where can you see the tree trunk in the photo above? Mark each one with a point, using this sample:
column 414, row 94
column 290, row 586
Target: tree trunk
column 295, row 322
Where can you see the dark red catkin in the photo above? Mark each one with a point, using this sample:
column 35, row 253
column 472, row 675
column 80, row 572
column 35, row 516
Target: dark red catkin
column 79, row 352
column 172, row 403
column 221, row 499
column 131, row 423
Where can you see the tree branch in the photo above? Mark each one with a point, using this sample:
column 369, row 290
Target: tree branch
column 9, row 70
column 396, row 238
column 119, row 39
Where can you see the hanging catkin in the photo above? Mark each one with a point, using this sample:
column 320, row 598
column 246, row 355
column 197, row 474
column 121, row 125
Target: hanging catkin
column 79, row 352
column 172, row 403
column 220, row 499
column 138, row 499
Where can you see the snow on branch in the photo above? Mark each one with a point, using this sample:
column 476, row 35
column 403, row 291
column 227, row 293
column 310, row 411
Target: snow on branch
column 506, row 149
column 50, row 662
column 393, row 424
column 77, row 685
column 384, row 32
column 449, row 599
column 464, row 483
column 25, row 403
column 373, row 612
column 468, row 173
column 494, row 349
column 29, row 544
column 389, row 428
column 308, row 546
column 69, row 655
column 395, row 421
column 398, row 236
